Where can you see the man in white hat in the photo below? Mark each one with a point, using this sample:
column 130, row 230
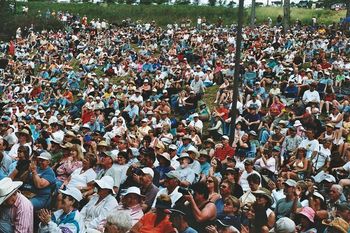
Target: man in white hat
column 24, row 139
column 148, row 189
column 42, row 180
column 131, row 204
column 20, row 209
column 172, row 184
column 196, row 123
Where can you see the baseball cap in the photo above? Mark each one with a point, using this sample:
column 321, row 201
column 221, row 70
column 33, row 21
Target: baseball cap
column 173, row 175
column 45, row 155
column 291, row 183
column 148, row 171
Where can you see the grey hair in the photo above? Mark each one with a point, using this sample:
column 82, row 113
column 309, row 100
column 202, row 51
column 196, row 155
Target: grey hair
column 338, row 187
column 121, row 220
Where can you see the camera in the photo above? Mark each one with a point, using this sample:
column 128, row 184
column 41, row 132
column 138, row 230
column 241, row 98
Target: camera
column 185, row 191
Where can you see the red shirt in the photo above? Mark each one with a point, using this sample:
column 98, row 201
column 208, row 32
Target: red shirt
column 222, row 153
column 86, row 116
column 148, row 224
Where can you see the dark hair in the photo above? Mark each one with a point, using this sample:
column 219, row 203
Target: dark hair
column 201, row 188
column 75, row 202
column 42, row 142
column 25, row 150
column 124, row 155
column 255, row 178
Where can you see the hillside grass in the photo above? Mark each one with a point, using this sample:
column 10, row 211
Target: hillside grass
column 163, row 14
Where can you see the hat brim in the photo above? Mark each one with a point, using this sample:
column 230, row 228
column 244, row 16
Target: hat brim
column 127, row 193
column 44, row 158
column 18, row 134
column 103, row 185
column 13, row 187
column 185, row 157
column 68, row 194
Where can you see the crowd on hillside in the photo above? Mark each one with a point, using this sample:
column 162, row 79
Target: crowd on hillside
column 127, row 128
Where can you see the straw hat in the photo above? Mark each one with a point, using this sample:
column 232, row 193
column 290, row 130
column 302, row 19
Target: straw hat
column 24, row 132
column 7, row 188
column 339, row 224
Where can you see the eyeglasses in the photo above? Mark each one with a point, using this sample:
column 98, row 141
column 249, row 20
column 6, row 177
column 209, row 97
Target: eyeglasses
column 223, row 186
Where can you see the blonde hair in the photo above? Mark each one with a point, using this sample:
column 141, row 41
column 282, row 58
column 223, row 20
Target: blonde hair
column 77, row 148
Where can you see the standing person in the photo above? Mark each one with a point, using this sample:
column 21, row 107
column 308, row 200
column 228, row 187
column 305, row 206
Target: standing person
column 20, row 209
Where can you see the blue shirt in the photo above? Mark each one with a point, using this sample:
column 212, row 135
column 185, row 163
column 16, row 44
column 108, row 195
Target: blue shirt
column 47, row 174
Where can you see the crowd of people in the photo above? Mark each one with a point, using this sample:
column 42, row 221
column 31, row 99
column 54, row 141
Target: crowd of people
column 109, row 128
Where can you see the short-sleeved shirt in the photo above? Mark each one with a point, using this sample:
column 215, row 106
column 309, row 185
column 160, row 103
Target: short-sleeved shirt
column 284, row 208
column 47, row 174
column 148, row 224
column 79, row 179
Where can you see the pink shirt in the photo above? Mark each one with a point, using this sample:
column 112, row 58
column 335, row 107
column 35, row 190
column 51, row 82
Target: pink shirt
column 67, row 168
column 22, row 215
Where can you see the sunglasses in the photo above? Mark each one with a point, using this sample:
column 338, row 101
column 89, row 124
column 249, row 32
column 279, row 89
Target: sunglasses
column 223, row 186
column 210, row 181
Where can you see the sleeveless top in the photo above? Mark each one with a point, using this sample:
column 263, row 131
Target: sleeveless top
column 199, row 226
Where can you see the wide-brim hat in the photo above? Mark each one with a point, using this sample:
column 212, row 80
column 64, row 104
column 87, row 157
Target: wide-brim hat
column 339, row 224
column 193, row 150
column 132, row 190
column 165, row 155
column 309, row 213
column 264, row 192
column 106, row 182
column 7, row 188
column 24, row 132
column 160, row 204
column 73, row 192
column 209, row 140
column 184, row 156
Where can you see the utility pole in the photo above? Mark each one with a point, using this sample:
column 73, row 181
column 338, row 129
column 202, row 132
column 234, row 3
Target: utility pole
column 286, row 15
column 252, row 14
column 237, row 69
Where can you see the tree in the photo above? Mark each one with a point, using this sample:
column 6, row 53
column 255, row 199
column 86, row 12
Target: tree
column 347, row 8
column 212, row 2
column 286, row 15
column 252, row 14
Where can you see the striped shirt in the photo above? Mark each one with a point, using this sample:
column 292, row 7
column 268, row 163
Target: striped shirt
column 22, row 215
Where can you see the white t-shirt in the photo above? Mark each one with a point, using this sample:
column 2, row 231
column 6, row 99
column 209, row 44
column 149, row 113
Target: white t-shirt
column 270, row 164
column 81, row 180
column 320, row 159
column 309, row 96
column 347, row 166
column 244, row 182
column 310, row 146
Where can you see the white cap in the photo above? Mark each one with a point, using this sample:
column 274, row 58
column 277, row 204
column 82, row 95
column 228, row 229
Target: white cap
column 134, row 190
column 148, row 171
column 73, row 192
column 284, row 225
column 45, row 155
column 106, row 182
column 173, row 147
column 225, row 137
